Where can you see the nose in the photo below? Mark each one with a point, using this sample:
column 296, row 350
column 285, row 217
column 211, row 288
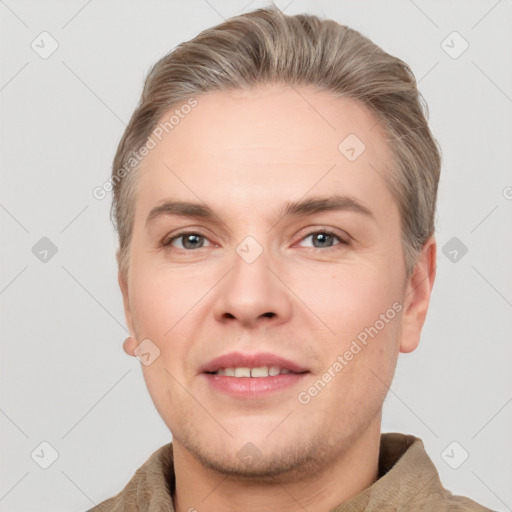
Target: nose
column 252, row 294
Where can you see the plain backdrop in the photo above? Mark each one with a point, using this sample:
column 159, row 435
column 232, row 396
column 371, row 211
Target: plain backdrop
column 65, row 380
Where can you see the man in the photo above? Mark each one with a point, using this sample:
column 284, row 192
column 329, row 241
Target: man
column 274, row 194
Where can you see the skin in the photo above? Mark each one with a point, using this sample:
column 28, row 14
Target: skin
column 244, row 153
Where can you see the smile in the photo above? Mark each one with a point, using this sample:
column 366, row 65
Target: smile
column 260, row 371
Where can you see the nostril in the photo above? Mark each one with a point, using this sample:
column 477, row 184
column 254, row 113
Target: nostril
column 269, row 314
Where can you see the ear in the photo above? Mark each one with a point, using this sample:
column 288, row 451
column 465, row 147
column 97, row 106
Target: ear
column 123, row 285
column 417, row 296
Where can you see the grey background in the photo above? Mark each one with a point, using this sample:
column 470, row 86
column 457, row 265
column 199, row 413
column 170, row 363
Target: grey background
column 64, row 378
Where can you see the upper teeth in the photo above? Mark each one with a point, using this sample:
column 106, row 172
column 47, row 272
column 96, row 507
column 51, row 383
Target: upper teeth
column 261, row 371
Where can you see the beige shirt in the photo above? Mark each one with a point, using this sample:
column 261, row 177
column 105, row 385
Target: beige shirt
column 408, row 481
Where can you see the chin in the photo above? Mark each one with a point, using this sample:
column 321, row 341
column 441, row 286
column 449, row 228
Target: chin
column 249, row 463
column 266, row 458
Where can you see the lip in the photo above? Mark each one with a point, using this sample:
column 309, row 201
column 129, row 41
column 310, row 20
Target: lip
column 240, row 360
column 252, row 387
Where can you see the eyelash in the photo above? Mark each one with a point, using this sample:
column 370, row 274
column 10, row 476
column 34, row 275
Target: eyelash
column 167, row 243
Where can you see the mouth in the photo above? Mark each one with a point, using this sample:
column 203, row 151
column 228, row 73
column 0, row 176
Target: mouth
column 251, row 376
column 257, row 372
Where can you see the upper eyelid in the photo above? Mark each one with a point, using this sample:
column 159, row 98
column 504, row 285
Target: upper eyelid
column 345, row 238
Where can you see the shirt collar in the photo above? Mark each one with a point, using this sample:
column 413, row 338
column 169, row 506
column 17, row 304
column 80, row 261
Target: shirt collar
column 408, row 480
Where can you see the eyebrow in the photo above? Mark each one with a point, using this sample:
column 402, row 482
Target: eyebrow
column 303, row 207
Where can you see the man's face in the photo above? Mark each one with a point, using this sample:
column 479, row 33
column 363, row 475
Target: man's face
column 258, row 284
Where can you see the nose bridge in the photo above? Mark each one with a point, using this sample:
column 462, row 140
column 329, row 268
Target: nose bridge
column 251, row 278
column 250, row 249
column 251, row 290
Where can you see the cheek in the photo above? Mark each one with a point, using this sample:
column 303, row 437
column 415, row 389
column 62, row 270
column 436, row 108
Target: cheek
column 163, row 306
column 352, row 296
column 361, row 306
column 159, row 301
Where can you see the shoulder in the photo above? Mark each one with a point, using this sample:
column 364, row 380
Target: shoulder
column 436, row 498
column 464, row 504
column 149, row 485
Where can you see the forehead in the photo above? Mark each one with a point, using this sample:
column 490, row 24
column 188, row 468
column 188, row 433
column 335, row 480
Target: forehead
column 250, row 147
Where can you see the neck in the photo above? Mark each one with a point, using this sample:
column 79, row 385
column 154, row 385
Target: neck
column 201, row 489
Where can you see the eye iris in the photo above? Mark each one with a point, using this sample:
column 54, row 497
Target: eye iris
column 191, row 239
column 322, row 238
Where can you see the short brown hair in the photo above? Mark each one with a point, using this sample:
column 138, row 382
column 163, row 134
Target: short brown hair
column 266, row 46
